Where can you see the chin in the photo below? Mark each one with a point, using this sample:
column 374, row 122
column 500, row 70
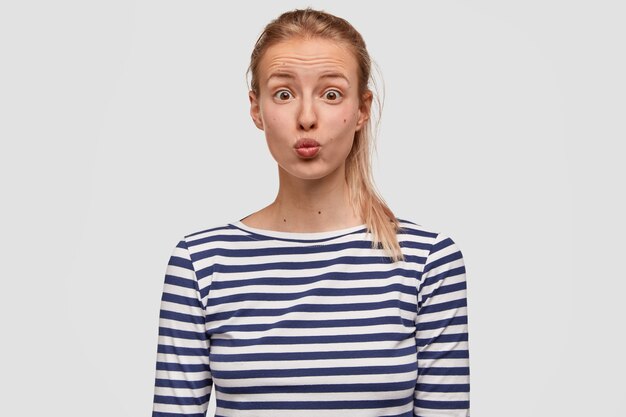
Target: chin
column 309, row 171
column 311, row 175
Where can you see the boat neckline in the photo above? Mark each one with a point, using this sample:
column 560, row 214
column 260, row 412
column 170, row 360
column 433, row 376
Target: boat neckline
column 298, row 235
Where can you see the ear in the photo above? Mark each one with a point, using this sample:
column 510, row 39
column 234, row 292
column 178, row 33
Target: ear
column 255, row 110
column 364, row 109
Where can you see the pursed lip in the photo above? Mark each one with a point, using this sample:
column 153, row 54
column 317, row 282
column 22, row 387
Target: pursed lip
column 306, row 143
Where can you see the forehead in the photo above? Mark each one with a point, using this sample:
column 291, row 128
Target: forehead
column 308, row 56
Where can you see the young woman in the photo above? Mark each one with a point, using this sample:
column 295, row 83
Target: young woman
column 323, row 303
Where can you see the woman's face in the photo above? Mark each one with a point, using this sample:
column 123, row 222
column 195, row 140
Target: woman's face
column 309, row 90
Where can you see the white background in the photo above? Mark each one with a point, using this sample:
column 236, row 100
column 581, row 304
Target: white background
column 125, row 125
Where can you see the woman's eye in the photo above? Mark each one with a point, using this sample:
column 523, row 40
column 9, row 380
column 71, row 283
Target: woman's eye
column 282, row 95
column 332, row 95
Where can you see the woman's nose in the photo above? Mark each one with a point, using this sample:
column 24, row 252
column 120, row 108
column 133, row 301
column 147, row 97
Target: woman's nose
column 307, row 118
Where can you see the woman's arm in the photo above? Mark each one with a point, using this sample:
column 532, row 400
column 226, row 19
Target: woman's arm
column 183, row 377
column 441, row 331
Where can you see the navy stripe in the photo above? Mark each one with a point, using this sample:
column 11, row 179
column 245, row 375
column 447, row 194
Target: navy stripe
column 442, row 388
column 298, row 356
column 181, row 262
column 295, row 266
column 280, row 250
column 181, row 367
column 312, row 278
column 310, row 308
column 180, row 351
column 319, row 292
column 443, row 405
column 462, row 370
column 181, row 334
column 314, row 405
column 323, row 388
column 179, row 299
column 178, row 281
column 180, row 400
column 162, row 414
column 172, row 383
column 445, row 354
column 183, row 318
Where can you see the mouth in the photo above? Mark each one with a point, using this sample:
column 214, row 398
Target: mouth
column 307, row 148
column 306, row 143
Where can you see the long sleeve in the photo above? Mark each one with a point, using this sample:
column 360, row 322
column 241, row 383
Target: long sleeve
column 443, row 383
column 183, row 378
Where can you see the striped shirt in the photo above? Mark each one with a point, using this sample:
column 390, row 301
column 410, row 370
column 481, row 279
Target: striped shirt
column 293, row 324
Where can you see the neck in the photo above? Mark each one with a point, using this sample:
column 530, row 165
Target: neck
column 313, row 205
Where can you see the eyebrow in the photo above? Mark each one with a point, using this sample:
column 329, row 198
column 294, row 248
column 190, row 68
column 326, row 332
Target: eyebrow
column 288, row 75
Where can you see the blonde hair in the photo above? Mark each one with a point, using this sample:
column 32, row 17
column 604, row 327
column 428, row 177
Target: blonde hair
column 309, row 23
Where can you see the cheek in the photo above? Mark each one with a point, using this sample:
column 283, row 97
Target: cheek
column 274, row 126
column 346, row 120
column 343, row 128
column 276, row 118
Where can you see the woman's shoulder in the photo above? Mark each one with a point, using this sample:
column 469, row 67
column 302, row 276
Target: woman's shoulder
column 432, row 239
column 216, row 232
column 410, row 227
